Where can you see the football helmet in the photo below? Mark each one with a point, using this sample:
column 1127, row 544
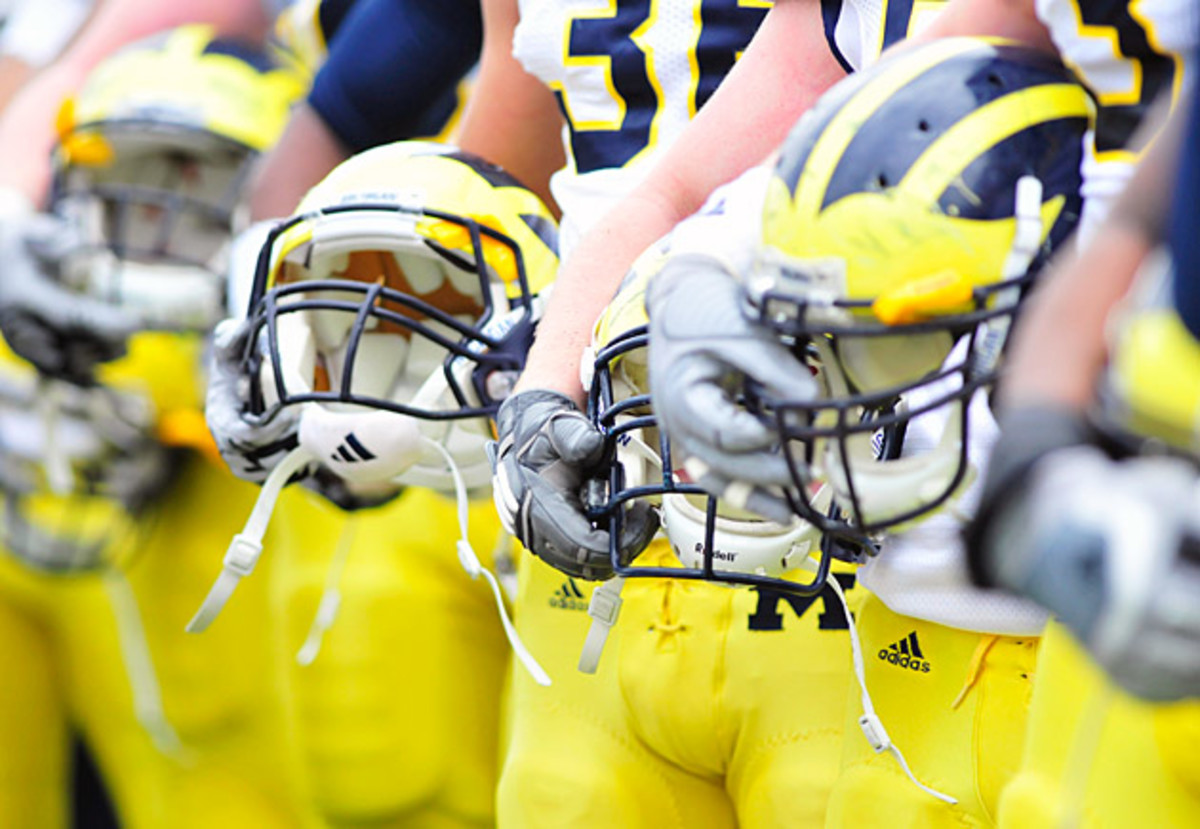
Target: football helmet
column 401, row 298
column 907, row 217
column 152, row 158
column 712, row 540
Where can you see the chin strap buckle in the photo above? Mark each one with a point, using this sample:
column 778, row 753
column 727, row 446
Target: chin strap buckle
column 604, row 608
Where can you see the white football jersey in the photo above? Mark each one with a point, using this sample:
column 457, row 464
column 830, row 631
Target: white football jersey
column 1127, row 54
column 629, row 77
column 922, row 571
column 859, row 30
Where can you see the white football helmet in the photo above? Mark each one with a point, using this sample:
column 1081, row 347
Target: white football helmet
column 909, row 212
column 152, row 161
column 396, row 307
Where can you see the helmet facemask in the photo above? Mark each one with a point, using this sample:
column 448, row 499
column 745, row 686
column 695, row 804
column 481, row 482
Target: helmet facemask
column 712, row 540
column 922, row 352
column 372, row 315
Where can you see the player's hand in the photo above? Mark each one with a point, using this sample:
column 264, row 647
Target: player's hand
column 546, row 450
column 65, row 334
column 1113, row 549
column 251, row 445
column 703, row 351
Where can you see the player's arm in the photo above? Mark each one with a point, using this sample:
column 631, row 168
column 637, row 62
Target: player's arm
column 27, row 128
column 392, row 72
column 512, row 118
column 784, row 69
column 1011, row 19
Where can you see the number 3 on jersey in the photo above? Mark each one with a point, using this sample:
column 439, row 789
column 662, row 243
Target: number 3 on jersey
column 642, row 61
column 1118, row 49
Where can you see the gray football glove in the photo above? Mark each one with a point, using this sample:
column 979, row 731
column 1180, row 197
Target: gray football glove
column 1113, row 549
column 545, row 452
column 703, row 349
column 63, row 333
column 251, row 446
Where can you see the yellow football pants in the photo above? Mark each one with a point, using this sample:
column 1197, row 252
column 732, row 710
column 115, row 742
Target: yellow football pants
column 712, row 707
column 397, row 716
column 1098, row 757
column 954, row 702
column 67, row 663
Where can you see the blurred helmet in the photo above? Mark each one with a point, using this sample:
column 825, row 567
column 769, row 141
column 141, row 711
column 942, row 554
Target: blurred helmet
column 908, row 214
column 151, row 163
column 402, row 298
column 712, row 540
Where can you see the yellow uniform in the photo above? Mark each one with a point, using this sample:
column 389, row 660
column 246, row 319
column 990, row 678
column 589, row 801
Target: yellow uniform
column 954, row 701
column 712, row 706
column 68, row 665
column 397, row 717
column 1098, row 757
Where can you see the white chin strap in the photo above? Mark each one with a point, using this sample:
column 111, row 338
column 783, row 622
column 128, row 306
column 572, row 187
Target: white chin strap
column 246, row 547
column 869, row 722
column 359, row 445
column 331, row 596
column 470, row 562
column 604, row 608
column 139, row 666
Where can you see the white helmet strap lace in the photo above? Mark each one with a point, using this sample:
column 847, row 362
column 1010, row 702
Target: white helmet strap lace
column 139, row 665
column 869, row 722
column 470, row 562
column 331, row 596
column 246, row 547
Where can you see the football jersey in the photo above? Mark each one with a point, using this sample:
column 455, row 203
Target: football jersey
column 859, row 30
column 629, row 76
column 1127, row 54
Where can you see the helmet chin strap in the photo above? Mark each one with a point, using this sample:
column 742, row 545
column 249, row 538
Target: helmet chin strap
column 604, row 608
column 139, row 665
column 869, row 722
column 331, row 596
column 470, row 562
column 246, row 547
column 1026, row 244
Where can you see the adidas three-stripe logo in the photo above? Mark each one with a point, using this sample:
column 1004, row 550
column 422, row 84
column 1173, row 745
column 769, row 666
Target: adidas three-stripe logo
column 906, row 653
column 569, row 597
column 350, row 450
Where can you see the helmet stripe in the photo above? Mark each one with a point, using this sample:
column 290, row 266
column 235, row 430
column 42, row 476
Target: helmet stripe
column 946, row 158
column 823, row 158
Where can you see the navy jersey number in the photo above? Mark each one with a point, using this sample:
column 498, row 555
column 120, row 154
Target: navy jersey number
column 725, row 28
column 1154, row 72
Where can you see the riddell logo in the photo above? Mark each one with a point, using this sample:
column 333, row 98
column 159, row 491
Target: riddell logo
column 906, row 654
column 718, row 555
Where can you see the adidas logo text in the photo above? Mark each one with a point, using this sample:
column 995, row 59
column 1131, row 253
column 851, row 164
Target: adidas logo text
column 906, row 654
